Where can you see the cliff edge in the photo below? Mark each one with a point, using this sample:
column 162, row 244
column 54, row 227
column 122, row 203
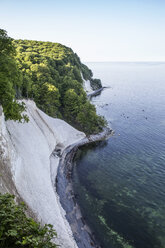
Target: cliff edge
column 27, row 150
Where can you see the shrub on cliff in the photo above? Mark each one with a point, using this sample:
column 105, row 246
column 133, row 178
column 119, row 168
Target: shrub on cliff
column 17, row 230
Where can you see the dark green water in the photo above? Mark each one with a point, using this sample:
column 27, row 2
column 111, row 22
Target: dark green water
column 120, row 183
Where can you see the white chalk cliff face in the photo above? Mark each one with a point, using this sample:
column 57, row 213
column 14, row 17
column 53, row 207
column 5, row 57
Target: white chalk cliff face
column 86, row 85
column 27, row 150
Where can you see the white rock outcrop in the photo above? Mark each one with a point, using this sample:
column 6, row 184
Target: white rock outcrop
column 27, row 149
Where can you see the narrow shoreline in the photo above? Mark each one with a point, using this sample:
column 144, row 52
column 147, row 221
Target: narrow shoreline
column 64, row 187
column 95, row 93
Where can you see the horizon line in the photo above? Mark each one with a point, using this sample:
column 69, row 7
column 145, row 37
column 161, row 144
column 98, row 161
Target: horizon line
column 122, row 61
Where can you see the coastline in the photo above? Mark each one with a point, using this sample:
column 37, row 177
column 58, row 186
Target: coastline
column 64, row 187
column 34, row 169
column 95, row 93
column 27, row 150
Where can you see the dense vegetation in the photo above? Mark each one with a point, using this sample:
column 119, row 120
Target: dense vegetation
column 17, row 230
column 9, row 79
column 95, row 83
column 50, row 74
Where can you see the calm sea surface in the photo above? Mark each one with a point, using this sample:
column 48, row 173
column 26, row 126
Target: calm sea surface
column 120, row 183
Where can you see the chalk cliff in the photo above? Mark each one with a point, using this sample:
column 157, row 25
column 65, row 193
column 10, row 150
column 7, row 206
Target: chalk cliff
column 29, row 165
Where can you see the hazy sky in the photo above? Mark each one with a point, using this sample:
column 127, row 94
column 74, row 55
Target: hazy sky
column 97, row 30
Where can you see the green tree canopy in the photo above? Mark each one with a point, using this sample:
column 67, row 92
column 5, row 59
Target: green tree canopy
column 17, row 230
column 50, row 99
column 10, row 80
column 51, row 75
column 71, row 104
column 88, row 120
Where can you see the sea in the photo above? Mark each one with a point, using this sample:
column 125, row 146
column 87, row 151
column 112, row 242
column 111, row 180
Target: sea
column 120, row 182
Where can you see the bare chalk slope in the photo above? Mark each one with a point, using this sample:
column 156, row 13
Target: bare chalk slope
column 28, row 148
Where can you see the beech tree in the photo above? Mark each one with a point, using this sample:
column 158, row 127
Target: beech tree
column 50, row 99
column 10, row 80
column 71, row 104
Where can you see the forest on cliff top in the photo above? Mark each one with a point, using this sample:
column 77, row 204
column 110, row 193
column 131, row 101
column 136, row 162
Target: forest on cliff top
column 51, row 75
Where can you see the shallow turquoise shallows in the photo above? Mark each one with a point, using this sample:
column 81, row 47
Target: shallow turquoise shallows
column 120, row 183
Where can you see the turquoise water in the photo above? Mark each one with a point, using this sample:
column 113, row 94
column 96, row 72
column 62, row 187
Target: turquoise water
column 120, row 183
